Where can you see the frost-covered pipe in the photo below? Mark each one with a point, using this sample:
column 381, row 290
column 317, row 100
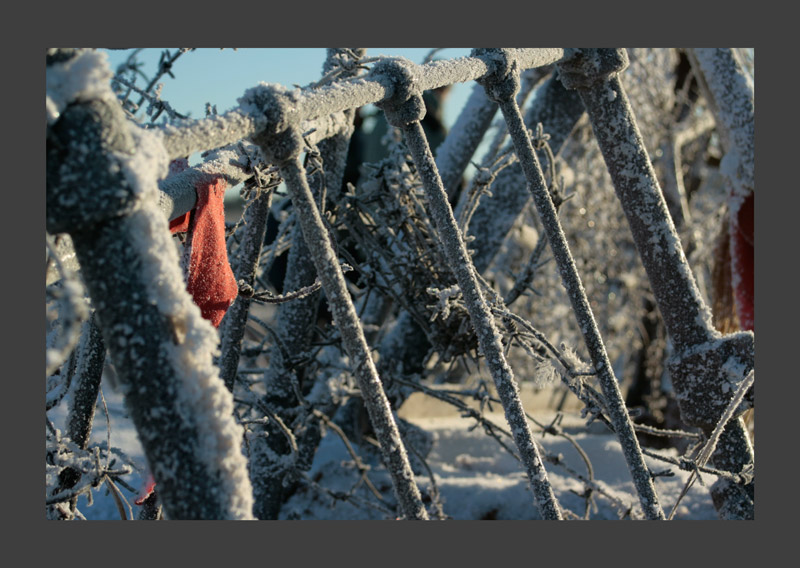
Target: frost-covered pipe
column 282, row 147
column 685, row 314
column 453, row 155
column 405, row 112
column 295, row 325
column 559, row 111
column 706, row 368
column 501, row 87
column 729, row 89
column 178, row 193
column 326, row 103
column 235, row 321
column 101, row 189
column 203, row 134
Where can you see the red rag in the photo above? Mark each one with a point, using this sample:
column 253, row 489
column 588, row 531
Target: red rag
column 211, row 281
column 742, row 261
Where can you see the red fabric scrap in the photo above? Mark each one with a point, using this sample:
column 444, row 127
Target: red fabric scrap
column 211, row 281
column 742, row 228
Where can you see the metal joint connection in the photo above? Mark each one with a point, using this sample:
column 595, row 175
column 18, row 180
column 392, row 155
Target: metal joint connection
column 279, row 138
column 502, row 83
column 706, row 377
column 405, row 105
column 583, row 67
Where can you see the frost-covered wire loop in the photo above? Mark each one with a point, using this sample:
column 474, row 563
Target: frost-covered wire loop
column 503, row 82
column 277, row 136
column 582, row 68
column 405, row 105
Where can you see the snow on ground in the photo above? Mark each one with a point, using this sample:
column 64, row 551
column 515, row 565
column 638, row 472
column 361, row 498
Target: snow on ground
column 475, row 477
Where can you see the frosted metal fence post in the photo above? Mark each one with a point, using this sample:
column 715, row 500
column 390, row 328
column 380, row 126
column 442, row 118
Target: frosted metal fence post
column 90, row 354
column 453, row 155
column 501, row 86
column 404, row 109
column 235, row 321
column 730, row 93
column 559, row 110
column 732, row 99
column 101, row 189
column 282, row 146
column 295, row 323
column 706, row 367
column 728, row 89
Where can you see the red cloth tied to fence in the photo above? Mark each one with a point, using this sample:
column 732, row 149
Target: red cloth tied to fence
column 211, row 281
column 742, row 259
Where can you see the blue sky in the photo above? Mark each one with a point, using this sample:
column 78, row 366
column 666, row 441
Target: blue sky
column 221, row 76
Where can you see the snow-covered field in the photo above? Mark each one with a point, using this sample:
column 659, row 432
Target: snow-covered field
column 474, row 476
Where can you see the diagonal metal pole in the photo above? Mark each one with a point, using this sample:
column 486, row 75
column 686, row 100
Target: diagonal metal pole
column 502, row 86
column 282, row 147
column 706, row 367
column 559, row 110
column 404, row 110
column 235, row 321
column 294, row 327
